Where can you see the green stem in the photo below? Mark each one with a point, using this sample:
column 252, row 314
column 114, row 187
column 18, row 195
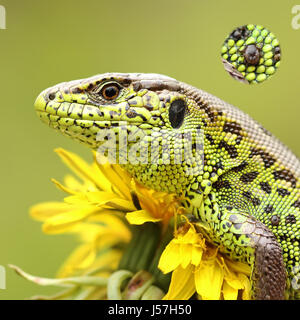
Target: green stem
column 125, row 260
column 161, row 280
column 149, row 248
column 140, row 251
column 140, row 244
column 144, row 250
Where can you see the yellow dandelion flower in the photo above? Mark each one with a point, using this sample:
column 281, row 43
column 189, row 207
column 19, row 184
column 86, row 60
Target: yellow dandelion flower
column 128, row 247
column 198, row 267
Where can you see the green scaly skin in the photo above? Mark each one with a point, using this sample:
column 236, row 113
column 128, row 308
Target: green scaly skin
column 243, row 185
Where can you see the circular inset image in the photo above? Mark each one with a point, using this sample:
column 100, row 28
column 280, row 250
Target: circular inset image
column 251, row 54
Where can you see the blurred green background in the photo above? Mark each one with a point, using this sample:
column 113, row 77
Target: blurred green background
column 47, row 42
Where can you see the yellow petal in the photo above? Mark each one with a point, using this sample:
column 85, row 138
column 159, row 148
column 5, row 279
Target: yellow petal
column 78, row 199
column 190, row 237
column 106, row 210
column 63, row 188
column 196, row 255
column 109, row 238
column 108, row 259
column 182, row 285
column 247, row 287
column 208, row 280
column 72, row 183
column 123, row 174
column 169, row 259
column 100, row 197
column 140, row 217
column 104, row 235
column 158, row 204
column 46, row 210
column 115, row 225
column 229, row 293
column 62, row 222
column 87, row 232
column 234, row 281
column 147, row 203
column 118, row 182
column 238, row 267
column 238, row 282
column 185, row 255
column 120, row 204
column 80, row 259
column 83, row 170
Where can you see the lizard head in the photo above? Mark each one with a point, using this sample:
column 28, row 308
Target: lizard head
column 149, row 120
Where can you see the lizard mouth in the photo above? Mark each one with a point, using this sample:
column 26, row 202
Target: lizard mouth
column 83, row 122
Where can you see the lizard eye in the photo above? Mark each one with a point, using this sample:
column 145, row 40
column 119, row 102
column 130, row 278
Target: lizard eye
column 110, row 91
column 176, row 113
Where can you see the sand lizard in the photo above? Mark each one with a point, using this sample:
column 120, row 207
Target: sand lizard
column 245, row 182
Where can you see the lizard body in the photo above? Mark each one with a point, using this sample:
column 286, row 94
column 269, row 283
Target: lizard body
column 243, row 183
